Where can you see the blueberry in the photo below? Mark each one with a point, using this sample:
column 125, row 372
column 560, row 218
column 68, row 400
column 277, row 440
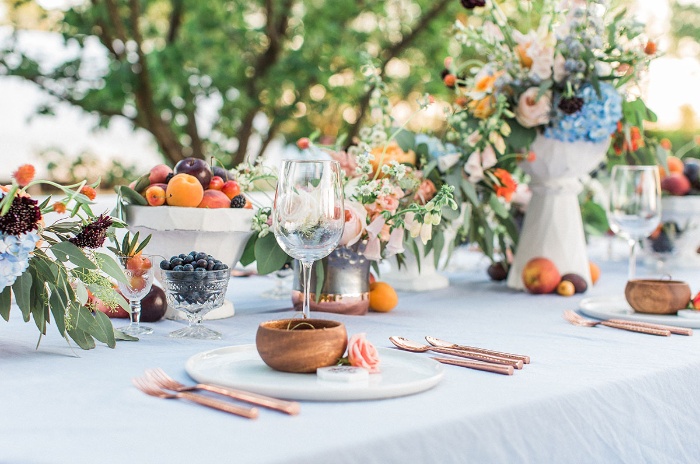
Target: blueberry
column 188, row 259
column 202, row 263
column 210, row 265
column 216, row 261
column 182, row 256
column 219, row 266
column 165, row 265
column 200, row 272
column 201, row 256
column 188, row 267
column 176, row 262
column 193, row 253
column 179, row 267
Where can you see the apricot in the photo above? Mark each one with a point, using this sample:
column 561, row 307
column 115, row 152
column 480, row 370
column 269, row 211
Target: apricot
column 184, row 190
column 214, row 199
column 155, row 195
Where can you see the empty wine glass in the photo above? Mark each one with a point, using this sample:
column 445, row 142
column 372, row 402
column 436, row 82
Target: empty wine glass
column 634, row 210
column 283, row 284
column 308, row 214
column 139, row 274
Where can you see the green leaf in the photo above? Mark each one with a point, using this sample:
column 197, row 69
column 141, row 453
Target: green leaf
column 142, row 183
column 119, row 335
column 103, row 330
column 438, row 242
column 416, row 252
column 405, row 139
column 498, row 208
column 22, row 290
column 66, row 251
column 59, row 317
column 81, row 292
column 130, row 196
column 520, row 138
column 111, row 268
column 81, row 338
column 269, row 255
column 5, row 303
column 248, row 256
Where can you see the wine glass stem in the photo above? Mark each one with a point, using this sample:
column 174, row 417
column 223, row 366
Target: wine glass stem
column 135, row 312
column 306, row 266
column 632, row 268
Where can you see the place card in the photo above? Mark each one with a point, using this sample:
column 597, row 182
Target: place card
column 343, row 374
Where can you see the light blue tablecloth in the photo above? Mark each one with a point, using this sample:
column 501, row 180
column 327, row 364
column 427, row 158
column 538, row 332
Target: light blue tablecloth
column 589, row 395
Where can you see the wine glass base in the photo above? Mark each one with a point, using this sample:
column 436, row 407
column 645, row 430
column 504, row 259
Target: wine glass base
column 135, row 330
column 198, row 332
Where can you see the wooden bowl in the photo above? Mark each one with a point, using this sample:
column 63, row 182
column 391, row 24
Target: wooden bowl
column 657, row 296
column 301, row 345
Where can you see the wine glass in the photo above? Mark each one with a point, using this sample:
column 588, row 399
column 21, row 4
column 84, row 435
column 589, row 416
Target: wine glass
column 139, row 275
column 635, row 205
column 283, row 280
column 308, row 214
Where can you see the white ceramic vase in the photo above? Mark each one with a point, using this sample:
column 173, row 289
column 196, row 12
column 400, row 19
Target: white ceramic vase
column 553, row 227
column 409, row 278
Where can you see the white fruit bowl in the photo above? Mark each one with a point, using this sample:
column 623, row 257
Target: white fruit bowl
column 220, row 232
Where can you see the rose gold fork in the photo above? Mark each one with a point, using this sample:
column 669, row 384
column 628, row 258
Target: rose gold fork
column 575, row 319
column 163, row 380
column 149, row 388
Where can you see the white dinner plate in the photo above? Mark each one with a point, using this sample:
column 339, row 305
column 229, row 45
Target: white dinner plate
column 240, row 366
column 612, row 307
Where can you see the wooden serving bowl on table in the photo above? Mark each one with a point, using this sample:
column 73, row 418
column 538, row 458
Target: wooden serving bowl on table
column 301, row 345
column 654, row 296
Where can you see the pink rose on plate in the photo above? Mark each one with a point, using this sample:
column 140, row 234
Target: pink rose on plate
column 355, row 223
column 361, row 353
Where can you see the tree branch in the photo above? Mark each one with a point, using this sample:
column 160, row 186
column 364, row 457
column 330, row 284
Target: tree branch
column 175, row 20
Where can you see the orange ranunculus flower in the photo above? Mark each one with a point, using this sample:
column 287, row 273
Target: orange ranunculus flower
column 88, row 192
column 393, row 152
column 24, row 174
column 508, row 184
column 483, row 108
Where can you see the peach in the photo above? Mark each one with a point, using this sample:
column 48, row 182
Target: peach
column 184, row 190
column 676, row 184
column 158, row 174
column 97, row 304
column 214, row 199
column 155, row 195
column 231, row 189
column 540, row 275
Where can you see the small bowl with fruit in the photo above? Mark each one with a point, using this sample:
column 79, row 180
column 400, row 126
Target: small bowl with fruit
column 195, row 283
column 193, row 204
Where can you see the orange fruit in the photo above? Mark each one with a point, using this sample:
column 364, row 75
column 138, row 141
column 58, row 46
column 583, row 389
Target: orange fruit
column 675, row 166
column 595, row 271
column 184, row 190
column 382, row 297
column 155, row 195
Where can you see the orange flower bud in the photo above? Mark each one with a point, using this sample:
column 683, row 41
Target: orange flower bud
column 665, row 144
column 450, row 80
column 59, row 207
column 303, row 143
column 88, row 192
column 650, row 48
column 24, row 174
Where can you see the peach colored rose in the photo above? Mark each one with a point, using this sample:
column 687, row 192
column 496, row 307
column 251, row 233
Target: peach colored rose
column 426, row 191
column 347, row 163
column 355, row 223
column 361, row 353
column 532, row 112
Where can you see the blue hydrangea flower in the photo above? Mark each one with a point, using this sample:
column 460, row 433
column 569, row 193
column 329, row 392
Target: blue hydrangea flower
column 14, row 256
column 594, row 122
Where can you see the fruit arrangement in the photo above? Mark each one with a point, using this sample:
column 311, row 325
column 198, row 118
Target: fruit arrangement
column 682, row 178
column 540, row 275
column 191, row 183
column 195, row 281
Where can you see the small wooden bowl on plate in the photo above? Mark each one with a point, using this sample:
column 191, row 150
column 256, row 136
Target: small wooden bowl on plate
column 653, row 296
column 301, row 345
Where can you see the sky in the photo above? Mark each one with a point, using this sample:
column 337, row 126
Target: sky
column 671, row 82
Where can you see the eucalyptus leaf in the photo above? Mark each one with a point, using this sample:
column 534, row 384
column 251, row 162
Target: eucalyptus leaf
column 104, row 331
column 81, row 292
column 320, row 270
column 405, row 139
column 498, row 208
column 6, row 302
column 438, row 242
column 111, row 268
column 119, row 335
column 81, row 338
column 59, row 317
column 22, row 290
column 248, row 256
column 269, row 255
column 66, row 251
column 130, row 196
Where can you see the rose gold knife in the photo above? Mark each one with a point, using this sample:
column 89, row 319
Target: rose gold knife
column 444, row 344
column 478, row 365
column 671, row 328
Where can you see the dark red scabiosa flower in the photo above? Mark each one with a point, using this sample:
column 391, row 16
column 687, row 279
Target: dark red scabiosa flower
column 22, row 217
column 93, row 235
column 471, row 4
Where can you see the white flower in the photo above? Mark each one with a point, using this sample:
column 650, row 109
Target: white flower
column 558, row 68
column 395, row 244
column 474, row 138
column 445, row 162
column 297, row 210
column 532, row 112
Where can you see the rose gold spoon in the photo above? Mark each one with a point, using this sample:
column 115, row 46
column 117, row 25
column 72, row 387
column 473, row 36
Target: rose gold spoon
column 444, row 344
column 409, row 345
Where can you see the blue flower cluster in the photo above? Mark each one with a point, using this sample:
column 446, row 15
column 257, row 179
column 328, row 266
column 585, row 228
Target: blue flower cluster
column 595, row 122
column 14, row 256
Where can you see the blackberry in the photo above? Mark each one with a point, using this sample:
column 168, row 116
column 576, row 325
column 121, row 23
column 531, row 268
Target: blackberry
column 22, row 217
column 238, row 201
column 471, row 4
column 571, row 105
column 93, row 235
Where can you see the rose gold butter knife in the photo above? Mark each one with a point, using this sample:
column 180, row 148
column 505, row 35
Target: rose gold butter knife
column 478, row 365
column 444, row 344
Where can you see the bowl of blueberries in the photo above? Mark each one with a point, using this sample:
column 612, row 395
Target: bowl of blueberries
column 195, row 284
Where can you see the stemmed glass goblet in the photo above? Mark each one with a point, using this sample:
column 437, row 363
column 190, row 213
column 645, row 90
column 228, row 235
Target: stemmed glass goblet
column 634, row 210
column 138, row 270
column 308, row 214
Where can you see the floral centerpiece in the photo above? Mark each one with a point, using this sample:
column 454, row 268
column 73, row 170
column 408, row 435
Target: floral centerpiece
column 553, row 95
column 389, row 200
column 52, row 270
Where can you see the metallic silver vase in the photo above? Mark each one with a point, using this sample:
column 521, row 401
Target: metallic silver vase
column 346, row 285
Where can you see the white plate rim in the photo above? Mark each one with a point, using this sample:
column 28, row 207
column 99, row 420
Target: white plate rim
column 609, row 307
column 326, row 390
